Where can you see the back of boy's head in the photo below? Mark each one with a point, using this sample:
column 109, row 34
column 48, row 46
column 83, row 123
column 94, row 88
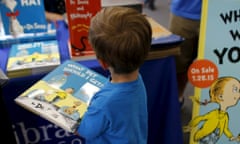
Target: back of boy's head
column 121, row 37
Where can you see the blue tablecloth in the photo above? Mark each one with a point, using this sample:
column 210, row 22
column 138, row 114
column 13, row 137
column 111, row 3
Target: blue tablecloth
column 160, row 80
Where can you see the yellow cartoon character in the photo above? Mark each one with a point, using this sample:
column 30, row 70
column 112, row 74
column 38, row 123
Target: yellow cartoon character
column 35, row 57
column 59, row 95
column 71, row 111
column 224, row 92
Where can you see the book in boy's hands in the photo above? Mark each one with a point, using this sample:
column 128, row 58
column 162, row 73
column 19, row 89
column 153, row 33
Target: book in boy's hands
column 79, row 14
column 32, row 58
column 63, row 95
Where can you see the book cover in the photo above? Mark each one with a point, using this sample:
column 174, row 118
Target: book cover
column 23, row 16
column 2, row 33
column 215, row 76
column 32, row 58
column 62, row 96
column 24, row 21
column 79, row 14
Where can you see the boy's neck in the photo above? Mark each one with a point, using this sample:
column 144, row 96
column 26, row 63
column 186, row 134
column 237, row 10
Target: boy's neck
column 120, row 78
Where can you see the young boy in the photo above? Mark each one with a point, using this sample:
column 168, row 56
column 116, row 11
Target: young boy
column 117, row 114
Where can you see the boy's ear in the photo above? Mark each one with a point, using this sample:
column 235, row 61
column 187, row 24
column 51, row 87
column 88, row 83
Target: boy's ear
column 103, row 64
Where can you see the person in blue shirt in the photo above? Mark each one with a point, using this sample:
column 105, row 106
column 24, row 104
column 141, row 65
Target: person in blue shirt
column 117, row 114
column 185, row 21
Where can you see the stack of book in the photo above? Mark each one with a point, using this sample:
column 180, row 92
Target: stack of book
column 29, row 36
column 32, row 58
column 164, row 43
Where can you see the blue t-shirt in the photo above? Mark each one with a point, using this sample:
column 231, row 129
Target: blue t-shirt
column 187, row 8
column 117, row 115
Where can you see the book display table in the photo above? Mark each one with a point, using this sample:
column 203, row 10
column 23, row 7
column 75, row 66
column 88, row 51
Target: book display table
column 159, row 76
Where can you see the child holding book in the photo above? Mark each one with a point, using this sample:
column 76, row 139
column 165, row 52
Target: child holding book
column 117, row 114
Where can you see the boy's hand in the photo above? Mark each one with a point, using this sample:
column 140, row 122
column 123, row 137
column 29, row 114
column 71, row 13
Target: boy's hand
column 187, row 129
